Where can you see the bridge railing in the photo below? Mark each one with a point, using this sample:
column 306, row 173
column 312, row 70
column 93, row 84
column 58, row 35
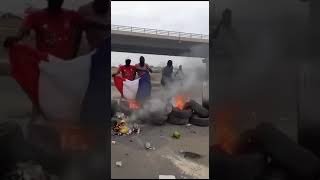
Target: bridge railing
column 159, row 32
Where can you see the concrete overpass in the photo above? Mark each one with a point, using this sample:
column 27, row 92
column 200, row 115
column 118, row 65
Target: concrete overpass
column 153, row 41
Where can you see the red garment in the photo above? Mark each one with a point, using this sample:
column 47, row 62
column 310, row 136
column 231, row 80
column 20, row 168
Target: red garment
column 128, row 72
column 24, row 62
column 55, row 33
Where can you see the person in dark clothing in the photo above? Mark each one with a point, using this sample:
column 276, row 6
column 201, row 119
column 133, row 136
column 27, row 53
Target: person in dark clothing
column 142, row 67
column 143, row 70
column 167, row 74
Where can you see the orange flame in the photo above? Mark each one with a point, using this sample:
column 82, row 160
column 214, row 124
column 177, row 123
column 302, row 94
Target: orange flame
column 180, row 101
column 226, row 134
column 133, row 104
column 74, row 138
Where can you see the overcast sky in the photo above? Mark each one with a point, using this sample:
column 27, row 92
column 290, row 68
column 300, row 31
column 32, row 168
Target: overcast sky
column 184, row 16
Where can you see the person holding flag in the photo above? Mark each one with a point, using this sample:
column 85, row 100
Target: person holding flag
column 142, row 67
column 57, row 33
column 143, row 71
column 131, row 88
column 127, row 71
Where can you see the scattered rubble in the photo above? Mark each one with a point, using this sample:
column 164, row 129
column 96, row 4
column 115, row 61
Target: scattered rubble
column 176, row 135
column 113, row 142
column 121, row 126
column 119, row 163
column 149, row 147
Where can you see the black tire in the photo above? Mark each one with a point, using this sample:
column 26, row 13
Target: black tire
column 158, row 119
column 177, row 121
column 301, row 162
column 198, row 109
column 199, row 121
column 205, row 104
column 182, row 114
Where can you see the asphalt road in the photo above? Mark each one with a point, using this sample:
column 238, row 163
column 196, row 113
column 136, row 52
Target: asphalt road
column 166, row 159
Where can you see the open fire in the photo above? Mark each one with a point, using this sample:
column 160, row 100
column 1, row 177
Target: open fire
column 226, row 136
column 74, row 139
column 179, row 101
column 133, row 104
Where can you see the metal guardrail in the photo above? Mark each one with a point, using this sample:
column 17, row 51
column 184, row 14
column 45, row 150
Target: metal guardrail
column 158, row 32
column 143, row 31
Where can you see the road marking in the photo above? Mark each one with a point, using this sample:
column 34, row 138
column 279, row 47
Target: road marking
column 189, row 167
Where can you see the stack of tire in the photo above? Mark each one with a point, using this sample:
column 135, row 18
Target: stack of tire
column 192, row 113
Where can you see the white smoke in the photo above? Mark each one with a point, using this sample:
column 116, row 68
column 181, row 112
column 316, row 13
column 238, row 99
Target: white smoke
column 160, row 101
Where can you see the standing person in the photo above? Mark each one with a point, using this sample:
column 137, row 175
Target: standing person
column 143, row 71
column 179, row 75
column 55, row 29
column 96, row 11
column 127, row 71
column 142, row 67
column 167, row 71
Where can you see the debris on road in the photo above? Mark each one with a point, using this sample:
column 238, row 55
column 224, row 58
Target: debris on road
column 188, row 125
column 167, row 177
column 136, row 128
column 149, row 147
column 119, row 163
column 176, row 135
column 113, row 142
column 121, row 126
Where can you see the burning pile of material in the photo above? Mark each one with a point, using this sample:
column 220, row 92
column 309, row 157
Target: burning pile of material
column 178, row 110
column 186, row 111
column 121, row 126
column 263, row 153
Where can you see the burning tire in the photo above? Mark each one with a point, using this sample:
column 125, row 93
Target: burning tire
column 177, row 120
column 182, row 114
column 198, row 109
column 199, row 121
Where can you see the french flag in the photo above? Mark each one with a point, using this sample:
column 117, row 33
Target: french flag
column 138, row 89
column 61, row 89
